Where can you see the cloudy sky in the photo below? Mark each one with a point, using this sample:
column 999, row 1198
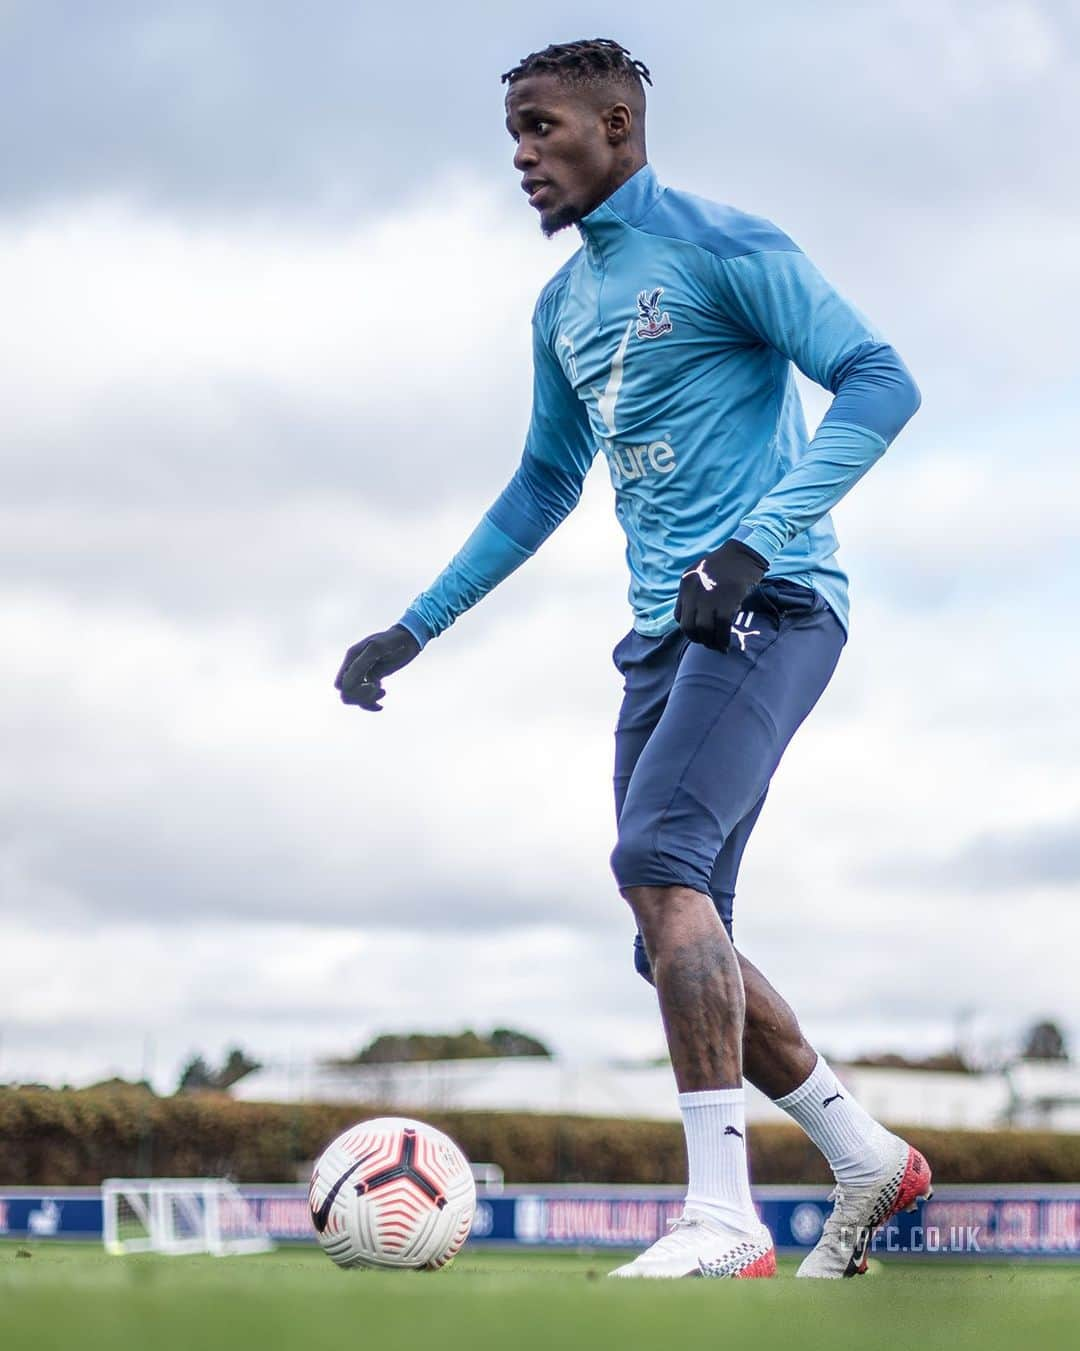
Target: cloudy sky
column 266, row 277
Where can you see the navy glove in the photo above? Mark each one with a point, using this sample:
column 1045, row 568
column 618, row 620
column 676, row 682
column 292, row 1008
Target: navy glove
column 711, row 594
column 366, row 662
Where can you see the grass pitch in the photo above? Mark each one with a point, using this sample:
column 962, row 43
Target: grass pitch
column 75, row 1297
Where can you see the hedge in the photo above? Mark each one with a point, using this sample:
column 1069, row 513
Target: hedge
column 68, row 1137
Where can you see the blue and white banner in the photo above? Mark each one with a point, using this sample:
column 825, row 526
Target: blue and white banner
column 959, row 1221
column 966, row 1222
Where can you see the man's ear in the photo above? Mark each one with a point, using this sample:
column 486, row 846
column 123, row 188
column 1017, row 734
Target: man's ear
column 619, row 120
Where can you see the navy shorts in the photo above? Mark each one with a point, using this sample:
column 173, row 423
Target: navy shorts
column 700, row 734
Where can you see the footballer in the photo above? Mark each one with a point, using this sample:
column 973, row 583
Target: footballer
column 666, row 344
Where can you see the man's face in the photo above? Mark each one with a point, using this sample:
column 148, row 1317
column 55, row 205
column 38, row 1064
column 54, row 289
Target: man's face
column 570, row 147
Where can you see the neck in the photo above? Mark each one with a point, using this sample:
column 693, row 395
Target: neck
column 626, row 168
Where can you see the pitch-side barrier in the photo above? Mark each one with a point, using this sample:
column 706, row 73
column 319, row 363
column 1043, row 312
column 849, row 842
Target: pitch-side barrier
column 960, row 1222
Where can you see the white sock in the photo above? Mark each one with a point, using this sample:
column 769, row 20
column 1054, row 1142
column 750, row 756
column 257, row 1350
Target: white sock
column 856, row 1146
column 719, row 1186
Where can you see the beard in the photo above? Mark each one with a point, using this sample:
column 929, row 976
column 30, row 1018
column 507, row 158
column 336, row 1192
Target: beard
column 559, row 219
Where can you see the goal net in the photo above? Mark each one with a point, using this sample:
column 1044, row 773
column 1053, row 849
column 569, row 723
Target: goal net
column 177, row 1216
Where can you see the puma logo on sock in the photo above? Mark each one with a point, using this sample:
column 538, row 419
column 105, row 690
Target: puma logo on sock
column 730, row 1130
column 836, row 1095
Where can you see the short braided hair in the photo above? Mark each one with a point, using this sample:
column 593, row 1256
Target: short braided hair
column 588, row 61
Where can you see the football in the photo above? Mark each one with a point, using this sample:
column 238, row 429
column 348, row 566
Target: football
column 392, row 1194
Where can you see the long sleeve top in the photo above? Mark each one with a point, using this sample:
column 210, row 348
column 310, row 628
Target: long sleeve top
column 667, row 344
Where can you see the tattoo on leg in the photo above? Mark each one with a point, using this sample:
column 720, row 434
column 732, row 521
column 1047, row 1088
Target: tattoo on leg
column 701, row 1001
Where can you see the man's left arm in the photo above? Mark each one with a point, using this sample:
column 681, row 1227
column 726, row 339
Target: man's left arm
column 782, row 299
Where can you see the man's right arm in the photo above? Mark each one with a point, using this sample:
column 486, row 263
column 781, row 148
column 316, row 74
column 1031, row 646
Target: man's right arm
column 558, row 451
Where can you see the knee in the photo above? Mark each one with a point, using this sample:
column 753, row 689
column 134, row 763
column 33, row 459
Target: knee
column 632, row 861
column 642, row 965
column 652, row 855
column 641, row 865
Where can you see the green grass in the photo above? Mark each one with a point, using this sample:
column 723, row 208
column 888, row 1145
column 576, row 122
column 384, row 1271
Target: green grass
column 75, row 1297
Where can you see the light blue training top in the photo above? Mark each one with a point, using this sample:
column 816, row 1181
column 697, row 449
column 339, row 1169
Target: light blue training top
column 666, row 342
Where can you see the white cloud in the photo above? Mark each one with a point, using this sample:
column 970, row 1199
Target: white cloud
column 985, row 44
column 157, row 356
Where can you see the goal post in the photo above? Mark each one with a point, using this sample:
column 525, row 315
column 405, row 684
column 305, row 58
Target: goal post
column 179, row 1216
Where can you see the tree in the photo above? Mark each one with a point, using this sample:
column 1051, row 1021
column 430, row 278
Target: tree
column 199, row 1077
column 950, row 1062
column 505, row 1041
column 1044, row 1041
column 195, row 1076
column 236, row 1065
column 395, row 1048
